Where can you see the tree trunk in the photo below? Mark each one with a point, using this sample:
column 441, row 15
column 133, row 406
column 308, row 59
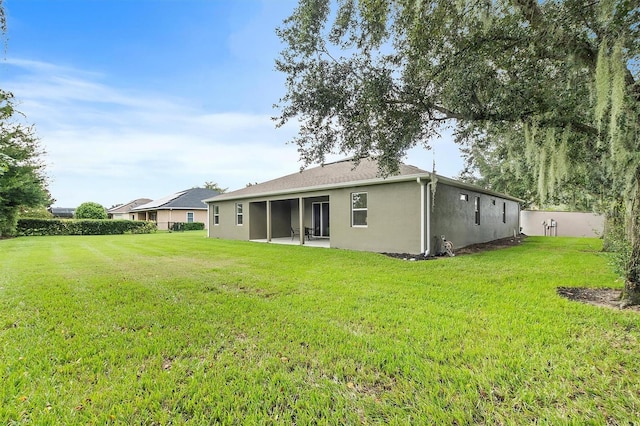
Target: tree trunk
column 631, row 292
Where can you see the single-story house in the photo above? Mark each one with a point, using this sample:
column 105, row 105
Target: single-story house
column 350, row 206
column 182, row 207
column 123, row 211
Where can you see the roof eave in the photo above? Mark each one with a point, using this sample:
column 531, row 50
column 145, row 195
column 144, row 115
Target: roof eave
column 366, row 182
column 470, row 187
column 148, row 209
column 315, row 188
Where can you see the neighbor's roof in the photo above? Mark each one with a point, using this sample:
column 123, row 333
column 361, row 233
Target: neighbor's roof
column 63, row 211
column 188, row 199
column 342, row 173
column 126, row 208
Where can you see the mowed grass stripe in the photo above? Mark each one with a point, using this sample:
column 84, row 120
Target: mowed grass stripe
column 177, row 328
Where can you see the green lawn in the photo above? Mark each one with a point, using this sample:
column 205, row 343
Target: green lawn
column 176, row 328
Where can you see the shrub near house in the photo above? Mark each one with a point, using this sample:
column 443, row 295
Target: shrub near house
column 41, row 227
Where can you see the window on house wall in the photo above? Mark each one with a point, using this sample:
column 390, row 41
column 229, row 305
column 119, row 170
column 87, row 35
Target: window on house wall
column 189, row 217
column 239, row 214
column 358, row 209
column 504, row 212
column 216, row 215
column 477, row 210
column 464, row 197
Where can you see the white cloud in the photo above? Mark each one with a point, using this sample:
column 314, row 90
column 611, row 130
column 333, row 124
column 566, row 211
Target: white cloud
column 111, row 145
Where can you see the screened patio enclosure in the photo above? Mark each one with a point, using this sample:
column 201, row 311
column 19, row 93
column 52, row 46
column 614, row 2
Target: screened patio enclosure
column 304, row 218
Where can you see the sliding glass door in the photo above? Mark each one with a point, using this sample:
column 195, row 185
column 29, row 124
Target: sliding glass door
column 320, row 219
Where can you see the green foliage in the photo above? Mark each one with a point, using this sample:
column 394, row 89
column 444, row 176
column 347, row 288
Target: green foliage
column 602, row 87
column 544, row 92
column 616, row 242
column 187, row 226
column 215, row 187
column 174, row 328
column 541, row 173
column 3, row 21
column 35, row 213
column 90, row 210
column 22, row 178
column 41, row 227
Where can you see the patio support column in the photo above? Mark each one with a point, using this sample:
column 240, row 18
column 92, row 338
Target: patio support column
column 268, row 221
column 301, row 219
column 209, row 220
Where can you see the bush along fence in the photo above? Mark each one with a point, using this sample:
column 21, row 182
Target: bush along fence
column 32, row 227
column 186, row 226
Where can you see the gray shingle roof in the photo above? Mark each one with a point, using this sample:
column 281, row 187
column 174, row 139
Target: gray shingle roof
column 192, row 198
column 188, row 199
column 126, row 208
column 339, row 172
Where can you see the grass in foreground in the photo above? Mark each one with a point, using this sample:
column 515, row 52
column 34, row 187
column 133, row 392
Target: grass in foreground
column 176, row 328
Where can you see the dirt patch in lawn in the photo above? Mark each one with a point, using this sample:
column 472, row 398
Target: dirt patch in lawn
column 604, row 297
column 491, row 245
column 474, row 248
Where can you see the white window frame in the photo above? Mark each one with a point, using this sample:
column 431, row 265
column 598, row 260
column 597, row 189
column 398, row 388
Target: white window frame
column 476, row 210
column 193, row 217
column 239, row 214
column 216, row 215
column 464, row 197
column 359, row 209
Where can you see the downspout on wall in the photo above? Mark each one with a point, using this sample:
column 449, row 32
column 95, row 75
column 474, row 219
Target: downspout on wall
column 428, row 190
column 425, row 217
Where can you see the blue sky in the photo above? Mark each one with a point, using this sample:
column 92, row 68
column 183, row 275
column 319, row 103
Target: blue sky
column 144, row 98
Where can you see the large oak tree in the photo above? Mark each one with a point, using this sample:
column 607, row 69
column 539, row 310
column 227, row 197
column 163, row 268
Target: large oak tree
column 553, row 83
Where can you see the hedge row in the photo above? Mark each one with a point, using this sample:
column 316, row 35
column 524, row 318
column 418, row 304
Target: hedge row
column 187, row 226
column 29, row 227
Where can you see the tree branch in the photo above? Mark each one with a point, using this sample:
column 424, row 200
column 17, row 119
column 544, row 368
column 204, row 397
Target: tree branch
column 533, row 14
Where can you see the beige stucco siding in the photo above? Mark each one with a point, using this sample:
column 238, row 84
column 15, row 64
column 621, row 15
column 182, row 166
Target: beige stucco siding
column 165, row 217
column 393, row 219
column 227, row 228
column 257, row 220
column 455, row 218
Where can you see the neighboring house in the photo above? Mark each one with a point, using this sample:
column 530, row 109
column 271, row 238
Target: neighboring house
column 62, row 212
column 353, row 208
column 184, row 206
column 123, row 211
column 561, row 224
